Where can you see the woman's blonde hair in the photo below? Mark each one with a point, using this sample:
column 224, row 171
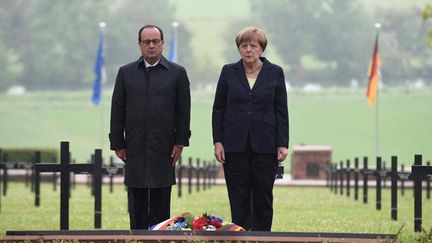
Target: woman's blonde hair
column 251, row 33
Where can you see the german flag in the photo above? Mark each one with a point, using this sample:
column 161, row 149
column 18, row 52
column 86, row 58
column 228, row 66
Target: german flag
column 374, row 75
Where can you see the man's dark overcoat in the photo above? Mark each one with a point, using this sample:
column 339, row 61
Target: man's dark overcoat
column 150, row 113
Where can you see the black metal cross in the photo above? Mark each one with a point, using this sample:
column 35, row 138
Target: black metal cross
column 356, row 177
column 111, row 170
column 5, row 166
column 378, row 173
column 419, row 173
column 1, row 177
column 395, row 177
column 65, row 168
column 180, row 169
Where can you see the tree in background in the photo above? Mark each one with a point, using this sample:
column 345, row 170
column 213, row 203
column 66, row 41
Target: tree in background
column 122, row 32
column 342, row 33
column 52, row 39
column 54, row 42
column 10, row 67
column 321, row 41
column 426, row 14
column 330, row 42
column 288, row 24
column 403, row 47
column 12, row 47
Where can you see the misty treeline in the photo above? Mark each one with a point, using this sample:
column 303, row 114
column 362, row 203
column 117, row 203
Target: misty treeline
column 52, row 44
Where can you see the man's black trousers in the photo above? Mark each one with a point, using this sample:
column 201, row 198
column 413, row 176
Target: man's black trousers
column 148, row 206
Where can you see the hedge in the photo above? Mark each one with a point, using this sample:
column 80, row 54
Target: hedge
column 48, row 155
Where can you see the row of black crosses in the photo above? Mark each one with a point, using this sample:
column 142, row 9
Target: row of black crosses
column 419, row 173
column 27, row 166
column 204, row 175
column 65, row 168
column 207, row 173
column 30, row 175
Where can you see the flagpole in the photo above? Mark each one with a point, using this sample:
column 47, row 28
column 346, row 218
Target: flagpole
column 378, row 154
column 102, row 29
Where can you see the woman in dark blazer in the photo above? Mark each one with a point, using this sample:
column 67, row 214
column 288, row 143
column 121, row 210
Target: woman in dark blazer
column 250, row 130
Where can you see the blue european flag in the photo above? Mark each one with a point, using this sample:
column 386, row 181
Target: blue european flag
column 173, row 44
column 99, row 69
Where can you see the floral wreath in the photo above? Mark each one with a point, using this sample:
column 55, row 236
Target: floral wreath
column 186, row 221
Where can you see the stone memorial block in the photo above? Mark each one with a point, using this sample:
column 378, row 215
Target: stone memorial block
column 310, row 161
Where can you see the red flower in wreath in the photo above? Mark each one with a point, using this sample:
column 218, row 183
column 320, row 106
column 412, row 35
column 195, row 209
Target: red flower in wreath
column 215, row 223
column 199, row 223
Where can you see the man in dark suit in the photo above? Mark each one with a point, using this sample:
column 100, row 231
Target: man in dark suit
column 150, row 125
column 250, row 130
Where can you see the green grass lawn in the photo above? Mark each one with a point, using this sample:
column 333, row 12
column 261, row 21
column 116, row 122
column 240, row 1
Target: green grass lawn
column 296, row 209
column 336, row 117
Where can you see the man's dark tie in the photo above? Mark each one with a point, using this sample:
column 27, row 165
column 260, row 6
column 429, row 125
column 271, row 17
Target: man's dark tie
column 150, row 68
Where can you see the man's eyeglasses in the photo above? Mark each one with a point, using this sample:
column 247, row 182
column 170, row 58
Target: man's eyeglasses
column 154, row 41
